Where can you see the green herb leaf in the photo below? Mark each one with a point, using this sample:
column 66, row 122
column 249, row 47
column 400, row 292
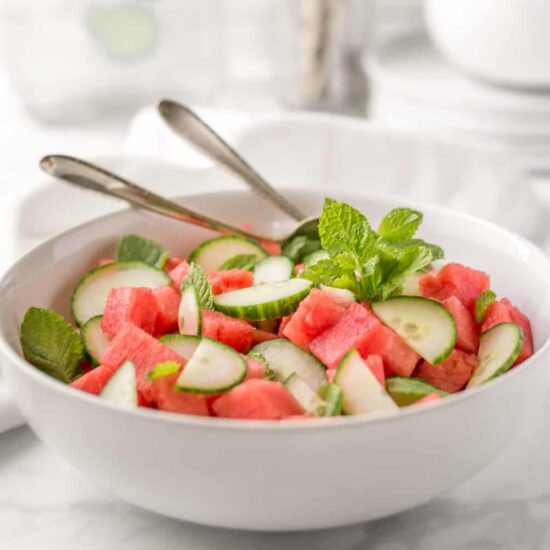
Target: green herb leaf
column 133, row 248
column 333, row 397
column 406, row 391
column 400, row 224
column 165, row 368
column 196, row 277
column 241, row 261
column 484, row 300
column 51, row 344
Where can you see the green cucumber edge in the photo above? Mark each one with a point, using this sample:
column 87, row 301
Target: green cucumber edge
column 197, row 250
column 95, row 362
column 426, row 387
column 512, row 357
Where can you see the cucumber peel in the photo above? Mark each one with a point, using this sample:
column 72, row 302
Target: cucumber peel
column 183, row 344
column 94, row 339
column 214, row 253
column 406, row 391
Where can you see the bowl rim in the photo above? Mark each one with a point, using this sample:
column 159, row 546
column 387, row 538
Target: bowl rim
column 370, row 419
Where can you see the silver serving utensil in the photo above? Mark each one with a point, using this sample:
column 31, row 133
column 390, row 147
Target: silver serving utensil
column 190, row 127
column 89, row 176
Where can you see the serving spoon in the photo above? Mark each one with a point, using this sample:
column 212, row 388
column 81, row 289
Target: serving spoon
column 90, row 176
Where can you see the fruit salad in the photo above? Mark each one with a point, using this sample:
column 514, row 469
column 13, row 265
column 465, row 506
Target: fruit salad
column 352, row 321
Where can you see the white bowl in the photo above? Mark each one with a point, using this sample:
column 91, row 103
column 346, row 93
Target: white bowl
column 503, row 42
column 288, row 475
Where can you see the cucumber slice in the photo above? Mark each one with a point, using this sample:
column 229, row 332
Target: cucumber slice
column 314, row 257
column 499, row 347
column 261, row 302
column 90, row 295
column 273, row 269
column 343, row 296
column 212, row 254
column 362, row 392
column 425, row 325
column 94, row 339
column 121, row 388
column 333, row 397
column 183, row 344
column 406, row 391
column 189, row 312
column 285, row 358
column 213, row 368
column 312, row 404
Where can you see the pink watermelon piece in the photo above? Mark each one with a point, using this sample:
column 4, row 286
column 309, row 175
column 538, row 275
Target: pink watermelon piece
column 502, row 311
column 315, row 314
column 235, row 333
column 94, row 380
column 282, row 326
column 145, row 351
column 106, row 261
column 298, row 268
column 178, row 273
column 259, row 336
column 134, row 305
column 168, row 399
column 232, row 279
column 452, row 374
column 172, row 262
column 467, row 333
column 376, row 365
column 429, row 398
column 259, row 400
column 168, row 301
column 330, row 374
column 256, row 369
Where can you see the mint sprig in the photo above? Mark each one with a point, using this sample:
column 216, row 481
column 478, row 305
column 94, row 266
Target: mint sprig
column 197, row 278
column 51, row 344
column 133, row 248
column 373, row 265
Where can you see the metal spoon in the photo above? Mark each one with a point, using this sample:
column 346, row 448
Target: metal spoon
column 89, row 176
column 190, row 127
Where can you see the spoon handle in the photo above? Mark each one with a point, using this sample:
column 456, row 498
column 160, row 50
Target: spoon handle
column 89, row 176
column 189, row 126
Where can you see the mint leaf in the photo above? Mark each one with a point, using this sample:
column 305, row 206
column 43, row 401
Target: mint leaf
column 371, row 276
column 400, row 224
column 484, row 300
column 241, row 261
column 133, row 248
column 163, row 369
column 196, row 277
column 51, row 344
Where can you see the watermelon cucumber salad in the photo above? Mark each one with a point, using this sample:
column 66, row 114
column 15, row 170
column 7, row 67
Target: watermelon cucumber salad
column 352, row 321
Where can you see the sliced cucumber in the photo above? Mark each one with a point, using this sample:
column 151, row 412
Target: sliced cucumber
column 284, row 358
column 121, row 388
column 261, row 302
column 312, row 404
column 411, row 286
column 90, row 295
column 425, row 325
column 183, row 344
column 273, row 269
column 189, row 312
column 212, row 254
column 213, row 368
column 333, row 397
column 95, row 340
column 362, row 392
column 499, row 347
column 343, row 296
column 406, row 391
column 314, row 257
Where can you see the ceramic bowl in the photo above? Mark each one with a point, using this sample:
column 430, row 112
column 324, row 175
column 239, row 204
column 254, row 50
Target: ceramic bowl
column 290, row 475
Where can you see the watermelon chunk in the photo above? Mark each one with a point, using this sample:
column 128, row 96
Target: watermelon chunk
column 178, row 273
column 502, row 311
column 168, row 301
column 452, row 374
column 94, row 380
column 259, row 400
column 256, row 369
column 172, row 263
column 232, row 279
column 106, row 261
column 145, row 351
column 136, row 305
column 429, row 398
column 467, row 334
column 376, row 365
column 456, row 280
column 259, row 336
column 315, row 314
column 168, row 399
column 235, row 333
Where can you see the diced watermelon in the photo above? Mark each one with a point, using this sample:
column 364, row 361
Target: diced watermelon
column 231, row 279
column 136, row 305
column 94, row 380
column 172, row 263
column 232, row 332
column 456, row 280
column 376, row 365
column 257, row 399
column 298, row 268
column 106, row 261
column 168, row 399
column 168, row 301
column 467, row 333
column 85, row 366
column 256, row 369
column 282, row 326
column 429, row 398
column 145, row 351
column 502, row 311
column 259, row 336
column 316, row 313
column 178, row 273
column 452, row 374
column 351, row 331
